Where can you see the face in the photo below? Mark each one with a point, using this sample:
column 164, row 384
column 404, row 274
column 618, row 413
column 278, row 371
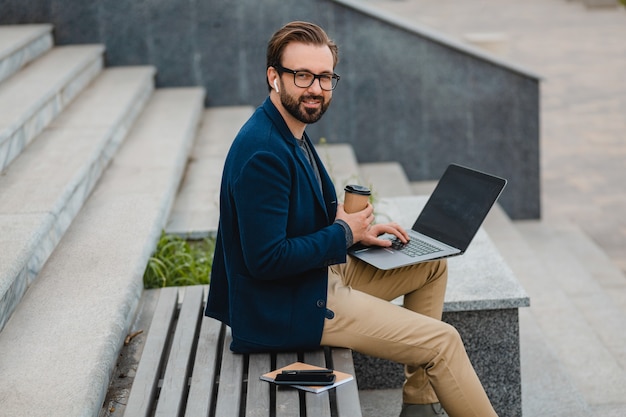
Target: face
column 306, row 105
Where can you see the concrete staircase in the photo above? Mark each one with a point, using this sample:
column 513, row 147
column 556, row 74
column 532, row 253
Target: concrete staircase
column 91, row 160
column 95, row 163
column 573, row 346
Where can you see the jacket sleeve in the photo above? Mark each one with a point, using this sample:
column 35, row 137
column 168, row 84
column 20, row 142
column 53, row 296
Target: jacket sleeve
column 284, row 231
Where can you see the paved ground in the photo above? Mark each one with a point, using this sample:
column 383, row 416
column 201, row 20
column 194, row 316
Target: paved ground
column 581, row 55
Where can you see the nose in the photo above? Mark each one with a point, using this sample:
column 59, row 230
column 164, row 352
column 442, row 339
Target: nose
column 316, row 87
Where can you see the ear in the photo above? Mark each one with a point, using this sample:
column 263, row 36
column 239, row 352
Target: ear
column 272, row 77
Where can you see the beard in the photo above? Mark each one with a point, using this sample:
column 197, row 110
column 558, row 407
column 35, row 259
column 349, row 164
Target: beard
column 304, row 115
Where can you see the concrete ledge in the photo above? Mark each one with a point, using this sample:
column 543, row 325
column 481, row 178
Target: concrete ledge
column 44, row 189
column 436, row 36
column 494, row 42
column 60, row 346
column 480, row 279
column 20, row 44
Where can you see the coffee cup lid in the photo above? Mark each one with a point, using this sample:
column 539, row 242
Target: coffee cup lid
column 357, row 189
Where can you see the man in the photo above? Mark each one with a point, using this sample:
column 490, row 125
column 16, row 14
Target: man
column 281, row 278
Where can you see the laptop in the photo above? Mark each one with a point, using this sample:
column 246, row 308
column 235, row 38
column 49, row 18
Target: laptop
column 447, row 224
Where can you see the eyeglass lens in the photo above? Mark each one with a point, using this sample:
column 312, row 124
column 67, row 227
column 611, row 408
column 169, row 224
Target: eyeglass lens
column 305, row 79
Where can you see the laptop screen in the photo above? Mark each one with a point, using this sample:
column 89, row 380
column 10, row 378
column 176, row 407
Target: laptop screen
column 458, row 205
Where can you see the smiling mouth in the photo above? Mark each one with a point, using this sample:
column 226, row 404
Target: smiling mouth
column 312, row 101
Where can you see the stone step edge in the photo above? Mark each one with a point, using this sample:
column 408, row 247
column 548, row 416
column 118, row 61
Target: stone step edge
column 67, row 332
column 15, row 138
column 36, row 40
column 42, row 240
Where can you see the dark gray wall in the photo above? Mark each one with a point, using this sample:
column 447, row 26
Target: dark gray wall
column 405, row 94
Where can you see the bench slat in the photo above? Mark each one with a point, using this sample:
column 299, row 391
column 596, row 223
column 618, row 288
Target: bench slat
column 317, row 405
column 174, row 388
column 230, row 382
column 203, row 376
column 287, row 399
column 348, row 404
column 258, row 395
column 147, row 377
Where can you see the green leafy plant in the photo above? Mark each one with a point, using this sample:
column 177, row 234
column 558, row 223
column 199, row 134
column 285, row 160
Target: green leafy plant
column 177, row 261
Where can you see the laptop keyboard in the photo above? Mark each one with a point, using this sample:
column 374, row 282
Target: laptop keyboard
column 414, row 247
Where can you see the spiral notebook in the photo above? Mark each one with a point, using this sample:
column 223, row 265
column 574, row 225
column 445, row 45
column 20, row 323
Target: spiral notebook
column 340, row 377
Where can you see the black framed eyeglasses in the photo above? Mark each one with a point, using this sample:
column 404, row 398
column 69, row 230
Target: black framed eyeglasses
column 305, row 79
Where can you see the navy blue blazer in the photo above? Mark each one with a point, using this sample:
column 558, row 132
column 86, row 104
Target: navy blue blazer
column 275, row 241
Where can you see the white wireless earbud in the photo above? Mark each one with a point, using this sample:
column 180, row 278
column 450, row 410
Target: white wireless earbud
column 276, row 85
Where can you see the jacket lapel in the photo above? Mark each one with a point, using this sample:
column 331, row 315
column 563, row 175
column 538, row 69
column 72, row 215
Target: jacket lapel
column 327, row 185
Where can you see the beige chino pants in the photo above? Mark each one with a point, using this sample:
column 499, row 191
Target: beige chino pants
column 437, row 367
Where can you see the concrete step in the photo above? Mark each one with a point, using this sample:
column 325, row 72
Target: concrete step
column 20, row 44
column 423, row 187
column 196, row 211
column 547, row 388
column 43, row 190
column 581, row 322
column 32, row 98
column 61, row 345
column 341, row 164
column 568, row 363
column 385, row 179
column 596, row 262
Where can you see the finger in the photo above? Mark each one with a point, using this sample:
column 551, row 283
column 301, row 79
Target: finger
column 397, row 231
column 401, row 230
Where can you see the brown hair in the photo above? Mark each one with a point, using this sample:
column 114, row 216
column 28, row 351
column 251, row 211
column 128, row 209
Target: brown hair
column 298, row 31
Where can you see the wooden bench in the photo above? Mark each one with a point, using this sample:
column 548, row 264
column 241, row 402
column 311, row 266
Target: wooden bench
column 187, row 369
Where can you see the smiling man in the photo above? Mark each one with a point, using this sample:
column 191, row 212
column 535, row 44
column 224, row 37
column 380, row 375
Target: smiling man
column 281, row 277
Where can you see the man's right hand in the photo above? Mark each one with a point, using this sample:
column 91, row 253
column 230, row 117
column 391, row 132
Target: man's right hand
column 364, row 231
column 359, row 222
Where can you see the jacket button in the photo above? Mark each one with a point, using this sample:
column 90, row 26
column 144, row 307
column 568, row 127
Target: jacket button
column 321, row 303
column 330, row 314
